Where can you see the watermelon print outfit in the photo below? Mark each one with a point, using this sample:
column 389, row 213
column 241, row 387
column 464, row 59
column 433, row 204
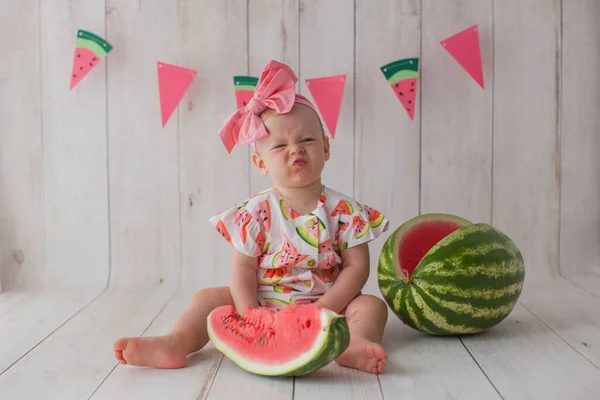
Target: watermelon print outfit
column 298, row 255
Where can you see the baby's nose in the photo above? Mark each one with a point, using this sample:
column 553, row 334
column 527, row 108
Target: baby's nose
column 297, row 148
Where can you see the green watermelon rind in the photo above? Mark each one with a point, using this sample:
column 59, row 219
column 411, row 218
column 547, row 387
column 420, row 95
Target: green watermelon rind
column 410, row 65
column 331, row 341
column 450, row 293
column 244, row 87
column 306, row 235
column 245, row 82
column 402, row 75
column 96, row 44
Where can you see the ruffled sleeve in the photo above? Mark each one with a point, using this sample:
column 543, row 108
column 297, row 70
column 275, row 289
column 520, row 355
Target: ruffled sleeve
column 240, row 229
column 362, row 225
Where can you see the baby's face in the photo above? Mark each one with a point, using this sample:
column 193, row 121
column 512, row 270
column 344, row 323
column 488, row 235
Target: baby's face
column 296, row 149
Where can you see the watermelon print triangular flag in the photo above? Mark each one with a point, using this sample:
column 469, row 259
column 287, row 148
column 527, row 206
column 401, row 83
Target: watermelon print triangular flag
column 464, row 47
column 244, row 89
column 173, row 82
column 90, row 49
column 328, row 92
column 403, row 76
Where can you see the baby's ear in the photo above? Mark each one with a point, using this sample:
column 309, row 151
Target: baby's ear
column 327, row 147
column 259, row 163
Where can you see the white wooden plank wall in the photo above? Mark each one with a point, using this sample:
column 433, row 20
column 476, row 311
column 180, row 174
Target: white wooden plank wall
column 387, row 159
column 22, row 233
column 104, row 214
column 580, row 160
column 74, row 134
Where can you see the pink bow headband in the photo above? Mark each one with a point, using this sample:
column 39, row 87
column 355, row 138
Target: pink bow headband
column 275, row 90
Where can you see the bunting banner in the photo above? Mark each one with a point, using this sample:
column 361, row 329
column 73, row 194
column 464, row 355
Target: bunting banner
column 173, row 82
column 403, row 76
column 244, row 89
column 327, row 93
column 90, row 49
column 464, row 47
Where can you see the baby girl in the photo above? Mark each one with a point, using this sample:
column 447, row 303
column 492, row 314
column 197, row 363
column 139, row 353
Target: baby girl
column 296, row 242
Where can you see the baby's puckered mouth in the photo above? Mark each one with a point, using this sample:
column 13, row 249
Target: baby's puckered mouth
column 298, row 162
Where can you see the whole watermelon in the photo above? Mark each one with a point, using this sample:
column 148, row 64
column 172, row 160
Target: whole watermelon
column 443, row 275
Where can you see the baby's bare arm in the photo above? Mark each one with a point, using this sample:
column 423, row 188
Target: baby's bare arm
column 351, row 279
column 243, row 281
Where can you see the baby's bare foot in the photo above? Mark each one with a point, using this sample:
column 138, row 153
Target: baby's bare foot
column 366, row 355
column 155, row 351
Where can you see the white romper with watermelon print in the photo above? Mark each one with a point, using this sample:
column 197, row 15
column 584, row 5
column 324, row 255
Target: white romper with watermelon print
column 298, row 255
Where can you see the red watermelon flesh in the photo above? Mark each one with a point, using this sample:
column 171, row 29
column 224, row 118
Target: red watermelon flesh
column 242, row 97
column 83, row 62
column 326, row 247
column 406, row 92
column 296, row 340
column 262, row 212
column 288, row 256
column 223, row 230
column 242, row 219
column 419, row 238
column 343, row 207
column 244, row 89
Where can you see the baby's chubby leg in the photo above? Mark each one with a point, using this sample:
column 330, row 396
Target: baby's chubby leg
column 366, row 316
column 187, row 335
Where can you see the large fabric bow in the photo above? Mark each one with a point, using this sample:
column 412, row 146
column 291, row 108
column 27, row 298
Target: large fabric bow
column 275, row 90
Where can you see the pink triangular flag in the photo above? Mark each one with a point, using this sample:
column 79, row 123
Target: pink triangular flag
column 464, row 47
column 327, row 93
column 173, row 82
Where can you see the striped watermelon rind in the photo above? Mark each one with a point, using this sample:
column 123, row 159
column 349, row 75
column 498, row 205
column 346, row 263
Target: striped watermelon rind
column 90, row 41
column 242, row 82
column 465, row 284
column 399, row 70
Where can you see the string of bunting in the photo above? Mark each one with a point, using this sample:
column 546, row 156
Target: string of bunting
column 327, row 92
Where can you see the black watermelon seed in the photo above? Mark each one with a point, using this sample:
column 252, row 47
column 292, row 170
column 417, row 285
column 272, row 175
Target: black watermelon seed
column 401, row 94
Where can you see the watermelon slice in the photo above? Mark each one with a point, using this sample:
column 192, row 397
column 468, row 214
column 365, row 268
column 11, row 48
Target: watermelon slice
column 244, row 89
column 89, row 50
column 242, row 219
column 223, row 230
column 375, row 216
column 261, row 242
column 294, row 341
column 343, row 207
column 274, row 275
column 402, row 76
column 326, row 247
column 361, row 226
column 287, row 211
column 288, row 256
column 310, row 231
column 262, row 212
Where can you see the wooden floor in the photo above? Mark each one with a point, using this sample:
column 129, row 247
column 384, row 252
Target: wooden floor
column 57, row 345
